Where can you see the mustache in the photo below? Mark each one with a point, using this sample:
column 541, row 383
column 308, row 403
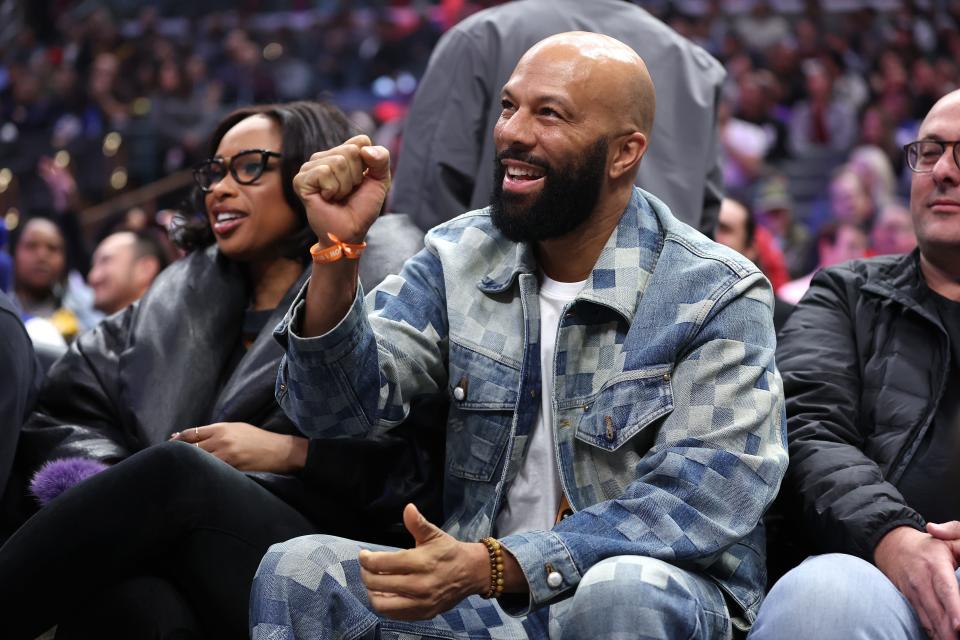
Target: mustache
column 519, row 156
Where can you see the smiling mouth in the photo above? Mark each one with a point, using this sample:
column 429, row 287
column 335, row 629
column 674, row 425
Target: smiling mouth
column 226, row 221
column 520, row 180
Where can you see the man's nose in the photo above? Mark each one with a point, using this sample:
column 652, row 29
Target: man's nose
column 517, row 130
column 947, row 169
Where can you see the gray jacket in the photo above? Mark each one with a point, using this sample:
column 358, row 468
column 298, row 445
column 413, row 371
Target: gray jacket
column 446, row 166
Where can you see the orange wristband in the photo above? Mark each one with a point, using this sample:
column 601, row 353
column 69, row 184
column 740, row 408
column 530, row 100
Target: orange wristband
column 339, row 249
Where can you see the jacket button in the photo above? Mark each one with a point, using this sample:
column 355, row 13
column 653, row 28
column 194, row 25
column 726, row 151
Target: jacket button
column 554, row 579
column 459, row 394
column 283, row 387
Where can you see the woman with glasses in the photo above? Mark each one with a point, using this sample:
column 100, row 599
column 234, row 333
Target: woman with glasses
column 165, row 542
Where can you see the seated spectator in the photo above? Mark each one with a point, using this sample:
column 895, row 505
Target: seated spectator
column 836, row 243
column 821, row 122
column 851, row 200
column 616, row 416
column 893, row 231
column 21, row 380
column 737, row 229
column 193, row 361
column 744, row 145
column 873, row 167
column 774, row 209
column 42, row 286
column 124, row 265
column 871, row 367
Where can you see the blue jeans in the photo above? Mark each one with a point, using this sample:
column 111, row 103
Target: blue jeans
column 310, row 588
column 836, row 596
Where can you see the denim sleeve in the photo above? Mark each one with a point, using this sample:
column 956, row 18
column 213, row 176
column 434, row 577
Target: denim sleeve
column 715, row 465
column 358, row 379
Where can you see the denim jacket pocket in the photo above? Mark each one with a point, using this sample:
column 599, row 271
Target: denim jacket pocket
column 624, row 406
column 483, row 399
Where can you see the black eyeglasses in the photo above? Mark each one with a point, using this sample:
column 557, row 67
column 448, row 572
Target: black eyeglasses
column 245, row 167
column 922, row 155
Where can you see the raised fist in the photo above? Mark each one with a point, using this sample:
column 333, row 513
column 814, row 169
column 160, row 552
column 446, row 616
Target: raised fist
column 344, row 188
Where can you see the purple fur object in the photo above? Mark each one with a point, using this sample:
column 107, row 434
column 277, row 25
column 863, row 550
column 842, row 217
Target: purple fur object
column 56, row 476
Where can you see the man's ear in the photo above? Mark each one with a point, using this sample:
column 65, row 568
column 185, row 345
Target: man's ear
column 628, row 153
column 145, row 269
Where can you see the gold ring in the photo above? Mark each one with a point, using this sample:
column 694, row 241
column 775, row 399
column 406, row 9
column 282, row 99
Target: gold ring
column 196, row 432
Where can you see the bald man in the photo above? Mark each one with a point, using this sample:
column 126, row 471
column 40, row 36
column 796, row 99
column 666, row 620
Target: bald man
column 447, row 148
column 125, row 264
column 615, row 425
column 871, row 365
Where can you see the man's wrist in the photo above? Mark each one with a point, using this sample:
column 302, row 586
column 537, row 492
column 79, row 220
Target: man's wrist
column 480, row 568
column 889, row 545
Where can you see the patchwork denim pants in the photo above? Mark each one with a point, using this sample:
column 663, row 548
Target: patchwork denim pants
column 309, row 588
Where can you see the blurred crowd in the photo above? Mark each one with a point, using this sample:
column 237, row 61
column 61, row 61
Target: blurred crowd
column 98, row 100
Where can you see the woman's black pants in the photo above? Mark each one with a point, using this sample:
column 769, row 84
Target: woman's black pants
column 162, row 545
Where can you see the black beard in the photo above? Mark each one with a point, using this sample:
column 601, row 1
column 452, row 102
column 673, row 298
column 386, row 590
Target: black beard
column 567, row 199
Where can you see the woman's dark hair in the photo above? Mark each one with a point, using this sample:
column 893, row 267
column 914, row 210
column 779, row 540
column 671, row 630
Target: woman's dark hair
column 306, row 127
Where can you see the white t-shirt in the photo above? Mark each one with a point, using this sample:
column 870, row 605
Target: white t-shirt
column 534, row 496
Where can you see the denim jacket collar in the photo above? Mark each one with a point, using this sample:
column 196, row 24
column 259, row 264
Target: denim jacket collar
column 619, row 277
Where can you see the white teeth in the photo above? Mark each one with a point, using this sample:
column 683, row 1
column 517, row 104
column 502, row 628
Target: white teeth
column 228, row 215
column 517, row 172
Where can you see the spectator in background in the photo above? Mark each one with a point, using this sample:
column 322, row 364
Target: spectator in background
column 447, row 147
column 873, row 167
column 744, row 146
column 774, row 209
column 757, row 94
column 124, row 265
column 851, row 200
column 836, row 242
column 893, row 231
column 737, row 228
column 821, row 123
column 41, row 284
column 762, row 28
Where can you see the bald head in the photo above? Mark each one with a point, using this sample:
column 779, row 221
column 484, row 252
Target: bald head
column 612, row 73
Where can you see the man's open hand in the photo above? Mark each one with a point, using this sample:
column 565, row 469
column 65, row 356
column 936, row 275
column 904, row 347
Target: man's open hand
column 420, row 583
column 922, row 567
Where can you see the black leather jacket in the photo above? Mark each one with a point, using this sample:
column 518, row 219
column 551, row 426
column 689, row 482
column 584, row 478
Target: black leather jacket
column 864, row 359
column 168, row 363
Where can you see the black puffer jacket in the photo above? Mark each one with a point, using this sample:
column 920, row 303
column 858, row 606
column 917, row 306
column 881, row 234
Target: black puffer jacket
column 169, row 362
column 864, row 359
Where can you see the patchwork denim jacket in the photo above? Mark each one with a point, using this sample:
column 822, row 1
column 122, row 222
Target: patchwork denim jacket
column 668, row 407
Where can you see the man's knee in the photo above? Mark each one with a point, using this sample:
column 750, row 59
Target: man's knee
column 307, row 579
column 833, row 596
column 647, row 597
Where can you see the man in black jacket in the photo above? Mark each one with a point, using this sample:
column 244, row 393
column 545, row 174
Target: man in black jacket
column 871, row 367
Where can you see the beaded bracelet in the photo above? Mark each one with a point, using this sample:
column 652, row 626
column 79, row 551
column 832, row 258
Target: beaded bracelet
column 337, row 250
column 496, row 568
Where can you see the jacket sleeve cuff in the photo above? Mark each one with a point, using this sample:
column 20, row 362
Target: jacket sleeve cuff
column 327, row 348
column 915, row 522
column 547, row 565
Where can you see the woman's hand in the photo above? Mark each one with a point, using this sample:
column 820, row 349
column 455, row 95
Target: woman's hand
column 344, row 188
column 248, row 448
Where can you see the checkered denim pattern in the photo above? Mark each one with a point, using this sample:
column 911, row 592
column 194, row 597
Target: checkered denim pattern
column 669, row 409
column 310, row 588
